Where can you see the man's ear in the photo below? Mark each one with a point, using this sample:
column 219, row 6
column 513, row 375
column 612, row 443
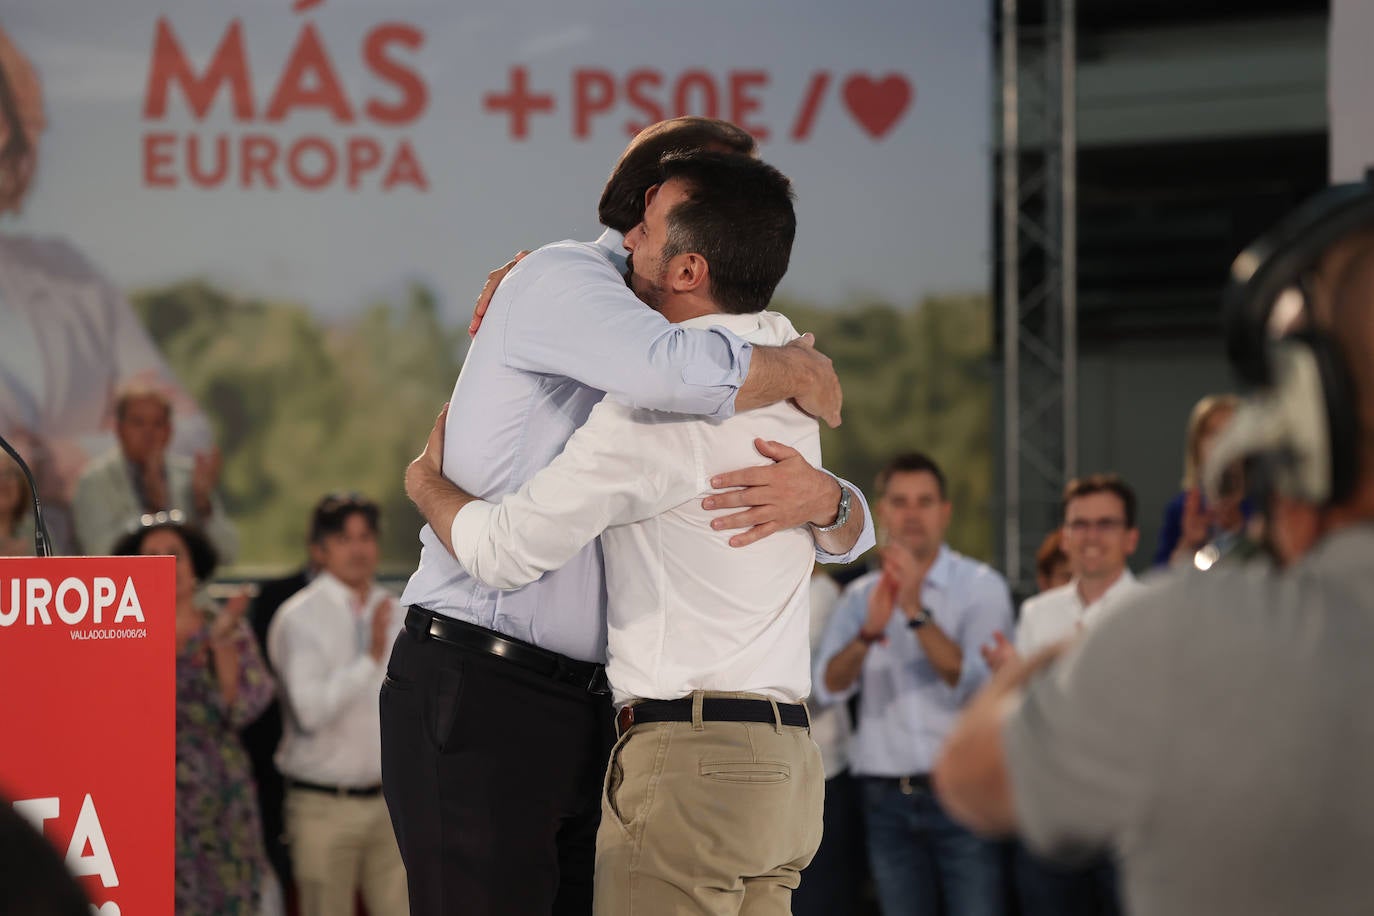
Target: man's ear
column 688, row 273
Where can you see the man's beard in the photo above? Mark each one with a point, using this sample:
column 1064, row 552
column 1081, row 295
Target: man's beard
column 650, row 292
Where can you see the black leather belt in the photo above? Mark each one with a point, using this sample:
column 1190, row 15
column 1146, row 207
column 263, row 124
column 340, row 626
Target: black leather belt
column 425, row 624
column 713, row 709
column 340, row 791
column 907, row 785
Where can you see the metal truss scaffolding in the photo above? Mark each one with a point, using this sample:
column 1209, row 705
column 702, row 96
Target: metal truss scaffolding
column 1038, row 271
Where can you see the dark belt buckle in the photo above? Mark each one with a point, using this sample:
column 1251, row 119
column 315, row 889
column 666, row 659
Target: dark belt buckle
column 624, row 719
column 598, row 684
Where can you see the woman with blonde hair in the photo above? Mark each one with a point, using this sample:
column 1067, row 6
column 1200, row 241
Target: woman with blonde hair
column 1189, row 522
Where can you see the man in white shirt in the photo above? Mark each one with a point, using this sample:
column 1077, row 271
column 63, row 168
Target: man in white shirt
column 141, row 477
column 714, row 791
column 328, row 645
column 1099, row 535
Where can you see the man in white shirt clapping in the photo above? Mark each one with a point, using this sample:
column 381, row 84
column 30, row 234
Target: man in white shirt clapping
column 328, row 645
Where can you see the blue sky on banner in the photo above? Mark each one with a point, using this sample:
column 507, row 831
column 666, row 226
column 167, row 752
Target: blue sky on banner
column 377, row 144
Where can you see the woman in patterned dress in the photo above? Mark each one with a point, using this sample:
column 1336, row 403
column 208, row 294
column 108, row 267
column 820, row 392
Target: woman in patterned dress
column 222, row 685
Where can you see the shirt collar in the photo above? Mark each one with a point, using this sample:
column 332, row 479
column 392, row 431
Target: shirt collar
column 1124, row 581
column 340, row 592
column 612, row 243
column 739, row 325
column 941, row 568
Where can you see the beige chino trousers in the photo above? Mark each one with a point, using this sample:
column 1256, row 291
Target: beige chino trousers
column 708, row 818
column 340, row 846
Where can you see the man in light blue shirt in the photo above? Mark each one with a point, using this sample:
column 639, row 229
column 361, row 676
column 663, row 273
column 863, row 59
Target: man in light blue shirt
column 913, row 671
column 495, row 717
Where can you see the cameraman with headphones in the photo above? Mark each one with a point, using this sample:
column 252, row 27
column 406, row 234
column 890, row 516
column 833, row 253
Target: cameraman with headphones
column 1216, row 731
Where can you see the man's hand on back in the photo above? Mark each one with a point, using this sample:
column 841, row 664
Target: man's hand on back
column 430, row 462
column 438, row 498
column 795, row 371
column 494, row 279
column 778, row 496
column 820, row 394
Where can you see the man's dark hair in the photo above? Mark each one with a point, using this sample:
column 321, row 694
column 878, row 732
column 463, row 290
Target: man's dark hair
column 738, row 216
column 909, row 463
column 331, row 514
column 1101, row 483
column 204, row 557
column 622, row 201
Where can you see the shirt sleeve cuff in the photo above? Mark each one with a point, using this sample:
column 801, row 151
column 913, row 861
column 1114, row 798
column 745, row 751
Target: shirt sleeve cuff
column 470, row 525
column 741, row 356
column 867, row 538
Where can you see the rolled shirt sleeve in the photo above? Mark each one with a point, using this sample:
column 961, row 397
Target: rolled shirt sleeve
column 571, row 314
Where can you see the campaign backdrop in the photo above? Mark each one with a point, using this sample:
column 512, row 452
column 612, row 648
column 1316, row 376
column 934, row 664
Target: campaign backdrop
column 284, row 211
column 1351, row 88
column 88, row 648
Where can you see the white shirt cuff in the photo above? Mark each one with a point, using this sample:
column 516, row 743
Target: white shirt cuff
column 470, row 526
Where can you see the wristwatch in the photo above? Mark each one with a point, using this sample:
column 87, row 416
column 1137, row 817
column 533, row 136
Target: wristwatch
column 841, row 516
column 921, row 619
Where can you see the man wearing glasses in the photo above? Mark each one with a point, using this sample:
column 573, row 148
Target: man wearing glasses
column 1098, row 536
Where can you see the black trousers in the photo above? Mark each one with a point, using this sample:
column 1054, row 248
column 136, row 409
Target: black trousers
column 833, row 883
column 493, row 777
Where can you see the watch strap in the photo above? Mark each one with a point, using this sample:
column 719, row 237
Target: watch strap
column 841, row 514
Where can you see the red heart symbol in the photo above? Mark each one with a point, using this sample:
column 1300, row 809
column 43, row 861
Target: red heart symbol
column 877, row 104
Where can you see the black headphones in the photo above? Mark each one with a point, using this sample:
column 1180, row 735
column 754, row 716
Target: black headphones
column 1301, row 423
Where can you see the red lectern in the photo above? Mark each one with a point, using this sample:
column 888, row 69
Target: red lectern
column 88, row 719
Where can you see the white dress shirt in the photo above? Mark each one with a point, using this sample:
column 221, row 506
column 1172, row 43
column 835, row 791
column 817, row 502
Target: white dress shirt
column 318, row 645
column 686, row 611
column 1059, row 613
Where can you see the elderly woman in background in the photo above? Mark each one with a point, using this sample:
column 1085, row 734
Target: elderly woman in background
column 16, row 514
column 222, row 685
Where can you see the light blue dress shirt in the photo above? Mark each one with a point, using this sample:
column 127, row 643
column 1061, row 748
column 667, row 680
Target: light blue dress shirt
column 905, row 708
column 563, row 330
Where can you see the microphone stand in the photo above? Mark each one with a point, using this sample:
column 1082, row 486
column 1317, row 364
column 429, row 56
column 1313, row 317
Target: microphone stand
column 42, row 540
